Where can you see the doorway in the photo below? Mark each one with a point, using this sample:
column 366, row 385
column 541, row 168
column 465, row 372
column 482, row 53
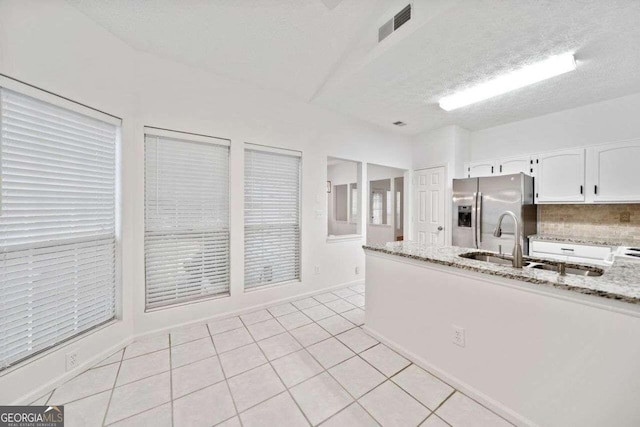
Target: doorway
column 385, row 222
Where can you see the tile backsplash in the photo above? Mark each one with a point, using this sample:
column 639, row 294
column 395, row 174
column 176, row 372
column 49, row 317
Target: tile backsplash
column 599, row 221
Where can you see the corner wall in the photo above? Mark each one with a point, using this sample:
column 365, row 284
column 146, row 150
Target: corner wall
column 51, row 45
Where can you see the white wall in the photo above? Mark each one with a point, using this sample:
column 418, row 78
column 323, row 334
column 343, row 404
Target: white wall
column 602, row 122
column 49, row 45
column 53, row 46
column 538, row 355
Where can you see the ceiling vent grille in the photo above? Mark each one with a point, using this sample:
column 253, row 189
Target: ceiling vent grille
column 402, row 17
column 394, row 23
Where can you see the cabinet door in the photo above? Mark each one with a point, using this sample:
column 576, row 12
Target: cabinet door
column 560, row 177
column 515, row 165
column 613, row 172
column 484, row 168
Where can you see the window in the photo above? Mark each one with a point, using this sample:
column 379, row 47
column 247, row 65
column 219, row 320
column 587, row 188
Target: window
column 398, row 210
column 341, row 202
column 376, row 208
column 389, row 207
column 353, row 217
column 57, row 221
column 380, row 203
column 186, row 217
column 271, row 216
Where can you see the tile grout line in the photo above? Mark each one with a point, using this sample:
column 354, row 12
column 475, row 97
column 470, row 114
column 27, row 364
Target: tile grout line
column 137, row 413
column 286, row 389
column 106, row 412
column 224, row 375
column 305, row 348
column 329, row 373
column 171, row 379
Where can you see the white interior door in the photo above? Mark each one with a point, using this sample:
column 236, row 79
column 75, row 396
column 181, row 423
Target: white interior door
column 429, row 211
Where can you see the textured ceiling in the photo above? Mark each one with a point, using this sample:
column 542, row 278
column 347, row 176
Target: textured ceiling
column 326, row 51
column 286, row 45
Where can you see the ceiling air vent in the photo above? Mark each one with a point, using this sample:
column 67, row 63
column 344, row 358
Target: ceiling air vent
column 401, row 17
column 394, row 23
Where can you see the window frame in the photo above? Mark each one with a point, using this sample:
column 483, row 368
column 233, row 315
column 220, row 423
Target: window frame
column 196, row 138
column 286, row 152
column 60, row 101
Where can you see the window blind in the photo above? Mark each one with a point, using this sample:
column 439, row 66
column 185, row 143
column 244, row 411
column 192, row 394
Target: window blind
column 271, row 217
column 186, row 217
column 57, row 224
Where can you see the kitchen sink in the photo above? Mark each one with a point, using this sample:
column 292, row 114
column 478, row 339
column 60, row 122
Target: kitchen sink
column 576, row 270
column 538, row 264
column 493, row 259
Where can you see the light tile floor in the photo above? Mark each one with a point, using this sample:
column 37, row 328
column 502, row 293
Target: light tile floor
column 296, row 364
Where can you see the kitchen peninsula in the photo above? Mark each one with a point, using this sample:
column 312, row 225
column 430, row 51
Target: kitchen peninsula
column 569, row 346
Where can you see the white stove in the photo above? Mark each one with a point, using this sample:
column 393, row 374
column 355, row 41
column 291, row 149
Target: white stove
column 631, row 253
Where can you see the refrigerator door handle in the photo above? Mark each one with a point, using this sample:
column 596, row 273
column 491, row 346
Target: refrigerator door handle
column 479, row 218
column 474, row 220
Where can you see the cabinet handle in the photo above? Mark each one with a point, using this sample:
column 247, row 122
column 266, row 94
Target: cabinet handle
column 567, row 249
column 500, row 168
column 595, row 189
column 491, row 169
column 581, row 190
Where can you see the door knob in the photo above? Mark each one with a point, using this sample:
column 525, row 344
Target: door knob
column 440, row 228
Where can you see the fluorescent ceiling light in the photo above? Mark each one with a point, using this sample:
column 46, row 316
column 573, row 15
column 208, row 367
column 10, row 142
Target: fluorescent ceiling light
column 525, row 76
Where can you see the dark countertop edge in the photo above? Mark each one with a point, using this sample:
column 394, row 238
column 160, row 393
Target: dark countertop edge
column 578, row 289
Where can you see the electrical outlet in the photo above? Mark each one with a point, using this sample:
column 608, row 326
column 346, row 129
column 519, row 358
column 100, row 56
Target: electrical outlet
column 625, row 217
column 316, row 270
column 458, row 335
column 357, row 270
column 72, row 360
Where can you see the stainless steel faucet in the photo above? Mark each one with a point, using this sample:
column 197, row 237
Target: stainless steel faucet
column 517, row 247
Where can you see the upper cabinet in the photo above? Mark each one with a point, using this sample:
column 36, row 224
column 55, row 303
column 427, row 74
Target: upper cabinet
column 506, row 166
column 515, row 165
column 612, row 172
column 560, row 176
column 596, row 174
column 476, row 169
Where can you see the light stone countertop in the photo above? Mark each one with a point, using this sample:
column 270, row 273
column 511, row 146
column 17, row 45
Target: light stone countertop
column 620, row 282
column 596, row 241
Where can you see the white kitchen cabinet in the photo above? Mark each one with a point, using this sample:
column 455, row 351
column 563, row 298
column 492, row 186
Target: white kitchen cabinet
column 560, row 176
column 513, row 165
column 612, row 173
column 483, row 168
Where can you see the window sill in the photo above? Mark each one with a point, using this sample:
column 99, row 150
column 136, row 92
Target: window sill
column 344, row 238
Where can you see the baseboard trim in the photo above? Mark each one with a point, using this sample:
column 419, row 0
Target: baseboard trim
column 55, row 383
column 492, row 404
column 40, row 391
column 248, row 309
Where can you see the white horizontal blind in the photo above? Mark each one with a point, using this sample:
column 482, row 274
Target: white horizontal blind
column 57, row 225
column 187, row 220
column 271, row 218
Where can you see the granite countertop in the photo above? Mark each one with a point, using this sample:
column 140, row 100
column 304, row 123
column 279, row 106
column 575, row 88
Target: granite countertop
column 597, row 241
column 621, row 281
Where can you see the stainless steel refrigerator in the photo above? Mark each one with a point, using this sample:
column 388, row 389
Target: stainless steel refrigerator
column 477, row 204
